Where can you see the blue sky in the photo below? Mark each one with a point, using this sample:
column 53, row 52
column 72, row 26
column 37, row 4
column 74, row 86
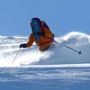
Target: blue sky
column 62, row 16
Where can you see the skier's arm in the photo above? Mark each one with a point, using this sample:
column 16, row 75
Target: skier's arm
column 30, row 41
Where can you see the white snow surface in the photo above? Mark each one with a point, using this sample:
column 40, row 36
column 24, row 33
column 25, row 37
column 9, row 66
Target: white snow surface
column 9, row 46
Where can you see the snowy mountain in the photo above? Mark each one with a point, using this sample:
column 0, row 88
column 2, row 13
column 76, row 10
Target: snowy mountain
column 9, row 45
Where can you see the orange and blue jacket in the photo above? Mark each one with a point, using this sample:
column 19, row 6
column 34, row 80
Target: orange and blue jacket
column 45, row 41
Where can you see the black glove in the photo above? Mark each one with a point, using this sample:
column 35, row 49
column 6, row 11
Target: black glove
column 40, row 33
column 23, row 45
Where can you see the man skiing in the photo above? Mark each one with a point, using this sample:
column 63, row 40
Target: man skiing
column 41, row 35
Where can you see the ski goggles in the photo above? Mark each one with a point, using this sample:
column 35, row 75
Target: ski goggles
column 34, row 23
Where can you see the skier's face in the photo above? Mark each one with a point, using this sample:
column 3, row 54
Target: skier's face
column 35, row 25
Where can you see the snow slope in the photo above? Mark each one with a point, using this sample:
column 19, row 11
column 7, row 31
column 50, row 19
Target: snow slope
column 59, row 55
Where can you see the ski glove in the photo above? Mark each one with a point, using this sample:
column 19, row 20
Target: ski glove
column 40, row 33
column 22, row 45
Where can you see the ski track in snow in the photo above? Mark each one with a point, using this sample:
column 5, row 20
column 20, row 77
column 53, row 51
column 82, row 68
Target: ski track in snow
column 30, row 74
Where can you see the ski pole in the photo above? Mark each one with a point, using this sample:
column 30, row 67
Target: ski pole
column 16, row 55
column 79, row 52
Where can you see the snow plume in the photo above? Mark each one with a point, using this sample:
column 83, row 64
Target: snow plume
column 59, row 55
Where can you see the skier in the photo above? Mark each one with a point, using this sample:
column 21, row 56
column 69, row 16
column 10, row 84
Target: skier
column 41, row 35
